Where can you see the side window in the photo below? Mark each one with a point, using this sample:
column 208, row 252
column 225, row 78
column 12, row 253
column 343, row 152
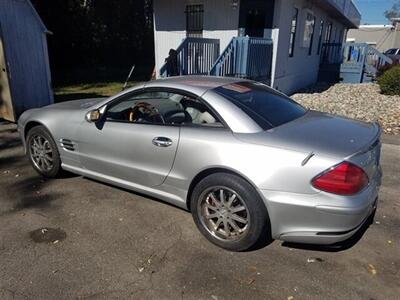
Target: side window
column 161, row 107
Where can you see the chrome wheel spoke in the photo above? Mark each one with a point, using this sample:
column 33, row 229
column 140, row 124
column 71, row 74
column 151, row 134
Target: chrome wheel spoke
column 218, row 223
column 221, row 196
column 214, row 215
column 39, row 142
column 215, row 200
column 226, row 231
column 239, row 219
column 238, row 209
column 209, row 206
column 231, row 199
column 234, row 226
column 46, row 162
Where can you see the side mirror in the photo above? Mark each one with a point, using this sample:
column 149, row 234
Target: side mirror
column 93, row 116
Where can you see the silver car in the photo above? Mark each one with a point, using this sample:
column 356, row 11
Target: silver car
column 247, row 161
column 393, row 54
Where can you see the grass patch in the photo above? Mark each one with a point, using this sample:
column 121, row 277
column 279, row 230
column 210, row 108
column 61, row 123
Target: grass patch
column 88, row 90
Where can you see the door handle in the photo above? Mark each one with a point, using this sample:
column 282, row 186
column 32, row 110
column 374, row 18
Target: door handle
column 162, row 141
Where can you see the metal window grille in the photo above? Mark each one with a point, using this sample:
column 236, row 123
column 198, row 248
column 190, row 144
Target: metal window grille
column 293, row 32
column 321, row 31
column 194, row 20
column 328, row 33
column 312, row 35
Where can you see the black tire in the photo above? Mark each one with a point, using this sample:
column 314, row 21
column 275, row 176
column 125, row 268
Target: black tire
column 55, row 169
column 258, row 227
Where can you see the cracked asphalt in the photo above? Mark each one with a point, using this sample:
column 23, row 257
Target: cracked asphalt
column 121, row 245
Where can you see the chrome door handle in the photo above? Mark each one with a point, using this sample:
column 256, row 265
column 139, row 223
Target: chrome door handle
column 162, row 141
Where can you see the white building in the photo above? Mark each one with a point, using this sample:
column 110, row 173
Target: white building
column 298, row 29
column 382, row 37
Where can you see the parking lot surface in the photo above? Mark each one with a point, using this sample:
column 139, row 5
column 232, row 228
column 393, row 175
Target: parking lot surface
column 75, row 238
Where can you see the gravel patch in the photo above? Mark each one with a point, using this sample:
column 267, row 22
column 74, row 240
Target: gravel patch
column 358, row 101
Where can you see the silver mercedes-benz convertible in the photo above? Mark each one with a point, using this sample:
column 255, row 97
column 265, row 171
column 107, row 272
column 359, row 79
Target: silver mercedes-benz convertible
column 247, row 161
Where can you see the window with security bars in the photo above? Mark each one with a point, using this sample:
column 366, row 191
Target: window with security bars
column 194, row 20
column 293, row 29
column 328, row 33
column 321, row 31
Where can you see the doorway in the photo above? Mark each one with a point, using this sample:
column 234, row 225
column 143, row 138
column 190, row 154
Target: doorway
column 255, row 16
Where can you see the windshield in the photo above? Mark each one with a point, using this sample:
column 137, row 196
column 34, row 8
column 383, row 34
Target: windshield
column 265, row 106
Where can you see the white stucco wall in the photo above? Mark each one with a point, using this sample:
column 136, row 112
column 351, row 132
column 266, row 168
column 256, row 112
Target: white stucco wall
column 220, row 22
column 293, row 73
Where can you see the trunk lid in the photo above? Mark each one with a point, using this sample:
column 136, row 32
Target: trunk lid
column 319, row 133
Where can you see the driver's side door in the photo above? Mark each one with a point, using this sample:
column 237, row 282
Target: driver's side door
column 130, row 144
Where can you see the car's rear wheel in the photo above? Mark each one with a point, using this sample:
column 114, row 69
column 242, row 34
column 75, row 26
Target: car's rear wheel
column 229, row 212
column 42, row 152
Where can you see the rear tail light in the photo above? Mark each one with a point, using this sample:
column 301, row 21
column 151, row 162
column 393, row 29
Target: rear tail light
column 343, row 179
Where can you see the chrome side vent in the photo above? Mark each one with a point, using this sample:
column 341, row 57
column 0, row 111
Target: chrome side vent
column 67, row 144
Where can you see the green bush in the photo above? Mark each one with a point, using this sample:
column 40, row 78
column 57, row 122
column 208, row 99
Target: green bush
column 389, row 82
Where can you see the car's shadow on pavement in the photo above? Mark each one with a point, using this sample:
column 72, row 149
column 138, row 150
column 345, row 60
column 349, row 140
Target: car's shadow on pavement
column 337, row 247
column 264, row 242
column 27, row 193
column 261, row 243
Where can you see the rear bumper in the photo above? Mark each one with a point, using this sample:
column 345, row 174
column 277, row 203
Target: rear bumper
column 324, row 237
column 320, row 218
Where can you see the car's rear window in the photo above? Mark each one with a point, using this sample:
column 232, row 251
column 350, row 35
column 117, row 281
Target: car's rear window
column 265, row 106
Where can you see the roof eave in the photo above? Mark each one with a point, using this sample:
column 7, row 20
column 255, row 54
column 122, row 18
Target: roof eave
column 334, row 11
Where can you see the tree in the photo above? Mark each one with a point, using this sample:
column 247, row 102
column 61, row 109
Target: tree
column 394, row 12
column 98, row 38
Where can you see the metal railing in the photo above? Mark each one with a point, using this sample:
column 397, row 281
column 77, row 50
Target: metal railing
column 354, row 59
column 195, row 56
column 245, row 57
column 376, row 59
column 331, row 53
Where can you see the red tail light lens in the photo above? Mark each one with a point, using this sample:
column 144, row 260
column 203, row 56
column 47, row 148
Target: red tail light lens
column 344, row 179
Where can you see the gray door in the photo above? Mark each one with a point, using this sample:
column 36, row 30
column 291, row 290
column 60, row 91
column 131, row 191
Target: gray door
column 126, row 151
column 132, row 143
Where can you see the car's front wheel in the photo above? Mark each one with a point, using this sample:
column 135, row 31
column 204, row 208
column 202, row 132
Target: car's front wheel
column 42, row 152
column 229, row 212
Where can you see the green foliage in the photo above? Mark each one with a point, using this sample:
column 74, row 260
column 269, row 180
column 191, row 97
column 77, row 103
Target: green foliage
column 394, row 12
column 389, row 82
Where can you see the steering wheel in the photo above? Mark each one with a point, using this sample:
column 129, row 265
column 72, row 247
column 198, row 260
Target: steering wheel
column 169, row 115
column 144, row 111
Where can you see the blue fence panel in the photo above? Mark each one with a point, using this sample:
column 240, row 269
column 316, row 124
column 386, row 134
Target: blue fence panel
column 196, row 56
column 355, row 60
column 245, row 57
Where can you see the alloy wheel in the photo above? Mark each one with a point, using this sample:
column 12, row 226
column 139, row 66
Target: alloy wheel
column 224, row 213
column 41, row 152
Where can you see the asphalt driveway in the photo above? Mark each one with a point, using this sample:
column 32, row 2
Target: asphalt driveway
column 110, row 243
